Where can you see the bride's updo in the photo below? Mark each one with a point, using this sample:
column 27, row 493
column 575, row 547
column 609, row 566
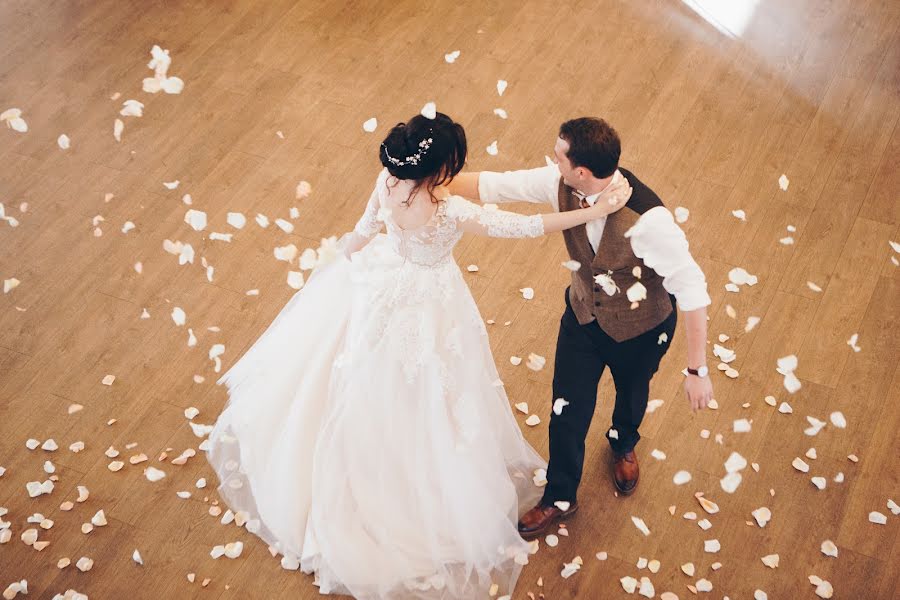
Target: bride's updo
column 430, row 152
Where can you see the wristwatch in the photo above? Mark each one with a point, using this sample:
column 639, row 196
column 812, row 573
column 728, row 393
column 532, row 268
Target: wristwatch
column 699, row 372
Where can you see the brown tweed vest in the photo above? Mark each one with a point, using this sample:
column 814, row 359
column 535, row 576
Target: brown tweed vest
column 616, row 259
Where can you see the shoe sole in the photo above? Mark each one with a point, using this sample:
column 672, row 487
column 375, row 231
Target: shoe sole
column 625, row 492
column 539, row 532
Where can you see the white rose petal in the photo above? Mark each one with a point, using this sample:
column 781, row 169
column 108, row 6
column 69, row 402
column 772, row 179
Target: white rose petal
column 429, row 111
column 771, row 560
column 154, row 474
column 783, row 182
column 636, row 292
column 730, row 482
column 742, row 426
column 558, row 405
column 84, row 564
column 838, row 420
column 639, row 523
column 681, row 477
column 877, row 518
column 196, row 219
column 800, row 465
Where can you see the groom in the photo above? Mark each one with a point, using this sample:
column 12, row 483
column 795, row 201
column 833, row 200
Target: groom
column 620, row 307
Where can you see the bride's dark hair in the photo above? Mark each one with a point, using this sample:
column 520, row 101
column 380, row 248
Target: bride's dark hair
column 430, row 152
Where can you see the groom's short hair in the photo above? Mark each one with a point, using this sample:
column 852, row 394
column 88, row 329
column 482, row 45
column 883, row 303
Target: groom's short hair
column 593, row 144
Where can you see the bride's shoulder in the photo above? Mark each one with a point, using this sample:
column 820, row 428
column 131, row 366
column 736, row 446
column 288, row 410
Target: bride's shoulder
column 457, row 207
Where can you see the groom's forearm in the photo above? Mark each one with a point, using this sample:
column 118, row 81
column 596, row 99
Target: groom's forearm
column 695, row 323
column 465, row 185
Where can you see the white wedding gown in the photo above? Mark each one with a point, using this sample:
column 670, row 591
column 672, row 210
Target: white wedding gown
column 368, row 437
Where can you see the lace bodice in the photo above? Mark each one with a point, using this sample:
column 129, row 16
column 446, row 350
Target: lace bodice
column 432, row 243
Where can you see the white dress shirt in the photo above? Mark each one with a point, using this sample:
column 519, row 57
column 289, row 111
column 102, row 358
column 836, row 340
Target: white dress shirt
column 655, row 238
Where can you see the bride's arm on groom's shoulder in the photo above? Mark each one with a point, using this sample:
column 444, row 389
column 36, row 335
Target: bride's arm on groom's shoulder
column 540, row 186
column 493, row 222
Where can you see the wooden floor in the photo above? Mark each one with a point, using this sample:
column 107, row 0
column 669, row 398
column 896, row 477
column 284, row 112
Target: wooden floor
column 805, row 88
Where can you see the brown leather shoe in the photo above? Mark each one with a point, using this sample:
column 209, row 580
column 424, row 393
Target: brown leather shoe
column 539, row 519
column 625, row 472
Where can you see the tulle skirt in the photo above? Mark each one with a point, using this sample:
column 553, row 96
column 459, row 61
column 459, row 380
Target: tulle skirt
column 368, row 437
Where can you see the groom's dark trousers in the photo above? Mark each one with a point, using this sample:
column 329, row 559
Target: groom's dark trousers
column 583, row 352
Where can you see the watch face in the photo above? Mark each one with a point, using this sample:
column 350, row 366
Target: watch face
column 703, row 371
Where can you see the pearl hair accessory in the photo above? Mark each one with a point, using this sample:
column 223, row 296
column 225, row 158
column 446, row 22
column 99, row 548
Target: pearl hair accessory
column 424, row 145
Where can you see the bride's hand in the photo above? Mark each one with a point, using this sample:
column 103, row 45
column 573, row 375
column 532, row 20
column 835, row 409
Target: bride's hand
column 612, row 198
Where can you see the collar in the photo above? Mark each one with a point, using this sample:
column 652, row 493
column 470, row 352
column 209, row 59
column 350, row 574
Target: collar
column 592, row 199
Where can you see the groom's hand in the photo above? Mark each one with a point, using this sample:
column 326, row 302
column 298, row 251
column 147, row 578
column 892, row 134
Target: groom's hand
column 699, row 391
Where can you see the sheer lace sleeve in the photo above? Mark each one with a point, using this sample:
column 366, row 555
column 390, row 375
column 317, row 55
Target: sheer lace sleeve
column 490, row 221
column 368, row 225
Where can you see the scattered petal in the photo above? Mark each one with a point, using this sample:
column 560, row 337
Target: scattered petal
column 558, row 405
column 838, row 420
column 877, row 518
column 639, row 523
column 429, row 111
column 154, row 474
column 783, row 182
column 771, row 560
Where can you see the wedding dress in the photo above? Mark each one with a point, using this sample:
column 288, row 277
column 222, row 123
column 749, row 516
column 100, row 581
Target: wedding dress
column 368, row 437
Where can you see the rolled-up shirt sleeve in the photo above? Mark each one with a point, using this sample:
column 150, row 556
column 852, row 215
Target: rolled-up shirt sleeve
column 539, row 185
column 662, row 245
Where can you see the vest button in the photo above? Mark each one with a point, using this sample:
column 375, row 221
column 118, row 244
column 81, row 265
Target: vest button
column 596, row 304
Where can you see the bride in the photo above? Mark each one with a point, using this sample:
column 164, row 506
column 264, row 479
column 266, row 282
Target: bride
column 368, row 437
